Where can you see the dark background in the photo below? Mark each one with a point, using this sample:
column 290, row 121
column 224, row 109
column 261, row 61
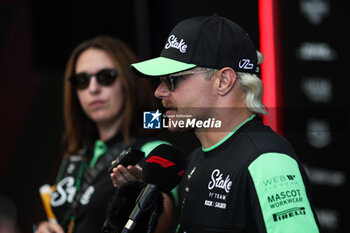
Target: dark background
column 37, row 37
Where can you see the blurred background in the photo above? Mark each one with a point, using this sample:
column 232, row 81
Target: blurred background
column 311, row 104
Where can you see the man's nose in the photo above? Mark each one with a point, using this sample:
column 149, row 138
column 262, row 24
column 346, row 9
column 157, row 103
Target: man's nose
column 162, row 91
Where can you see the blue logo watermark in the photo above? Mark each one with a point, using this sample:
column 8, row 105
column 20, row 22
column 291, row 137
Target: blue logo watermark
column 151, row 120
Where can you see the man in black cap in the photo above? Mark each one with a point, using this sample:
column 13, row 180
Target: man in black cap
column 245, row 177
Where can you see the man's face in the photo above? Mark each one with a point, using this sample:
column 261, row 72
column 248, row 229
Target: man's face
column 191, row 95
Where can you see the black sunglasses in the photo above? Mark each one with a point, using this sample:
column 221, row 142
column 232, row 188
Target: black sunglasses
column 104, row 77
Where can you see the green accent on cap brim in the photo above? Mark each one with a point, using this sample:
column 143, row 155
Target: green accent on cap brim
column 160, row 66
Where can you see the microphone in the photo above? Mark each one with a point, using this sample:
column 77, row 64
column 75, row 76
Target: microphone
column 122, row 204
column 163, row 169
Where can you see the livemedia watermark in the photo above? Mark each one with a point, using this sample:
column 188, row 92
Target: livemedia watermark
column 158, row 120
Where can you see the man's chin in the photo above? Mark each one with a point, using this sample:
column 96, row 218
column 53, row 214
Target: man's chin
column 171, row 112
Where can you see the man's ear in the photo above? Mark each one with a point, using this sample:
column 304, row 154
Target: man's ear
column 226, row 79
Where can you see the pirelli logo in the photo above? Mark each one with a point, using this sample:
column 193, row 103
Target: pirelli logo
column 288, row 214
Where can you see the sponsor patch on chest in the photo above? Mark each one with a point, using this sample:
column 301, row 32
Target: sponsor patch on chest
column 219, row 186
column 217, row 181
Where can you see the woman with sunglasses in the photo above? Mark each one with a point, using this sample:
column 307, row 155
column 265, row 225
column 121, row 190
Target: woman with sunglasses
column 103, row 104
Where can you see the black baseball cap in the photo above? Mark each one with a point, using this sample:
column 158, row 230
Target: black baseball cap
column 204, row 41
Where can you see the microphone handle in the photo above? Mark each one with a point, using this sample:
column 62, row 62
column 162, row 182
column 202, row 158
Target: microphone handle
column 129, row 226
column 144, row 202
column 131, row 223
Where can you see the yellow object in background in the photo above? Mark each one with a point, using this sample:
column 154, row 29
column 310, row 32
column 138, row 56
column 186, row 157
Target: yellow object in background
column 45, row 194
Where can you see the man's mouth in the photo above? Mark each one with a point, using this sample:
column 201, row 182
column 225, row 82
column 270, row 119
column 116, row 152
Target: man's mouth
column 170, row 108
column 168, row 105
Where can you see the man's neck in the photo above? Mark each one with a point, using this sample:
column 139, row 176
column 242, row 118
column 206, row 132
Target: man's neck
column 229, row 123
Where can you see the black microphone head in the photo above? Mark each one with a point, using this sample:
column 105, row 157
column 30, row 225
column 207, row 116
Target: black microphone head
column 164, row 167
